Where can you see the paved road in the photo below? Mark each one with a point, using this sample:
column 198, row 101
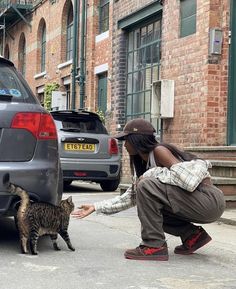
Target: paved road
column 98, row 261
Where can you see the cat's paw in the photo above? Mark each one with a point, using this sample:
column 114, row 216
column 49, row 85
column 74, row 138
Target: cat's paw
column 56, row 248
column 72, row 248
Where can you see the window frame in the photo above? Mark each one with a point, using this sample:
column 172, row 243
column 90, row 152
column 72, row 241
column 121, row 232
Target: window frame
column 104, row 22
column 22, row 56
column 149, row 68
column 187, row 23
column 69, row 34
column 43, row 49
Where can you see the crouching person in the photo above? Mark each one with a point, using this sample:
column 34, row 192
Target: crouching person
column 172, row 191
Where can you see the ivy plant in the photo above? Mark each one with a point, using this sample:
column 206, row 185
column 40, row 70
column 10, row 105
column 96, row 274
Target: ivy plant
column 49, row 88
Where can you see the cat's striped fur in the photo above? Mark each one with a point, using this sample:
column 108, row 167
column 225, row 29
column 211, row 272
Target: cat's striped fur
column 37, row 219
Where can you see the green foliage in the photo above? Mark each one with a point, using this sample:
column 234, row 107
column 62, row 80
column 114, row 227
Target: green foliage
column 49, row 88
column 101, row 115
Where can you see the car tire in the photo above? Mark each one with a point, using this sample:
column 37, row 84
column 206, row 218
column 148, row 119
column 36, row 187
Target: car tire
column 110, row 186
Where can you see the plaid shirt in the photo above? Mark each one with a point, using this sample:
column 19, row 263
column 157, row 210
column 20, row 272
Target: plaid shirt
column 116, row 204
column 187, row 175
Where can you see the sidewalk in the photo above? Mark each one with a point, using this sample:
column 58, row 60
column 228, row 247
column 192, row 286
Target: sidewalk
column 229, row 217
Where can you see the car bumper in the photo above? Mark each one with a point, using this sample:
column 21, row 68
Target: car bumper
column 93, row 170
column 40, row 180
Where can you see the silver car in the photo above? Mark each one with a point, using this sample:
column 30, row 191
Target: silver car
column 86, row 150
column 28, row 143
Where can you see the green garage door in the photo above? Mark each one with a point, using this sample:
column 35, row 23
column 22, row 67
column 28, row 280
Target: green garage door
column 102, row 92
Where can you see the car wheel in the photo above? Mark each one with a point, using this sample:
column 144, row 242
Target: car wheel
column 110, row 186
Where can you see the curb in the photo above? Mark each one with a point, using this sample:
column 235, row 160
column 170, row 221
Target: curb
column 227, row 221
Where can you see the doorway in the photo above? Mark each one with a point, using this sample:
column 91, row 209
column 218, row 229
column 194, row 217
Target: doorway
column 102, row 92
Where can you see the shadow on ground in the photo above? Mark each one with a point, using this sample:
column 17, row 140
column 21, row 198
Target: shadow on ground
column 9, row 235
column 83, row 187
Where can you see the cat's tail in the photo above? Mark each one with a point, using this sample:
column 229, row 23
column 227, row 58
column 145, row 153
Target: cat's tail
column 14, row 189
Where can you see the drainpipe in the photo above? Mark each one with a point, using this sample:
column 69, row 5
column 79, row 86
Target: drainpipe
column 4, row 37
column 74, row 55
column 82, row 54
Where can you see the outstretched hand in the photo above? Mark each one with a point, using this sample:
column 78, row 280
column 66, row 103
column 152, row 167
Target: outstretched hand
column 83, row 211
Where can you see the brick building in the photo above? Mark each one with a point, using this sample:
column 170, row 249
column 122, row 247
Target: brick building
column 180, row 54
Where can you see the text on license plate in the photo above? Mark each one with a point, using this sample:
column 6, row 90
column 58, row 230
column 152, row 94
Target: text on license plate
column 79, row 147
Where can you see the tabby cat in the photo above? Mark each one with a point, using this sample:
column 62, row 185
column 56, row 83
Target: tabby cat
column 37, row 219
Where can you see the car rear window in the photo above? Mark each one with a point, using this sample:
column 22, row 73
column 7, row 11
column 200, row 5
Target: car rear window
column 78, row 124
column 13, row 87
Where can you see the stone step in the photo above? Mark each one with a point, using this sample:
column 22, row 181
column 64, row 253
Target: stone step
column 223, row 163
column 223, row 168
column 227, row 153
column 223, row 181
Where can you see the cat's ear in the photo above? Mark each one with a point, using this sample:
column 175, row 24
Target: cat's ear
column 6, row 180
column 69, row 199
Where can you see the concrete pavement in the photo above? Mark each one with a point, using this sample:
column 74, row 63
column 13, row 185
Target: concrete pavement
column 211, row 267
column 98, row 262
column 229, row 217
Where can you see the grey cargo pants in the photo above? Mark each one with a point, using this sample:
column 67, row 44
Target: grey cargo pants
column 166, row 208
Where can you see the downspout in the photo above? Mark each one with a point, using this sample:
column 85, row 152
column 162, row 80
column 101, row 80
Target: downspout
column 82, row 54
column 4, row 37
column 74, row 55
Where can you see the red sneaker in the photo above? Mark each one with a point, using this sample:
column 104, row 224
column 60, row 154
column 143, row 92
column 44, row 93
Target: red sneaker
column 148, row 253
column 193, row 243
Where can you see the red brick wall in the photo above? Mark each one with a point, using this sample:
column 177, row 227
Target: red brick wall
column 200, row 85
column 200, row 107
column 96, row 54
column 53, row 16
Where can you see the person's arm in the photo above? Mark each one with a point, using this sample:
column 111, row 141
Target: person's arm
column 110, row 206
column 115, row 205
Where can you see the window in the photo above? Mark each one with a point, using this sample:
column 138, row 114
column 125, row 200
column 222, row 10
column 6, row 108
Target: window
column 69, row 34
column 68, row 98
column 188, row 12
column 43, row 48
column 40, row 97
column 22, row 55
column 103, row 16
column 144, row 56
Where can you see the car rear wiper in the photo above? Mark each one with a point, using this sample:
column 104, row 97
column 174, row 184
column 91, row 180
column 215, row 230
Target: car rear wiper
column 5, row 97
column 71, row 129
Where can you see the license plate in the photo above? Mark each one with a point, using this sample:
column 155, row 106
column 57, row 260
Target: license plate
column 79, row 147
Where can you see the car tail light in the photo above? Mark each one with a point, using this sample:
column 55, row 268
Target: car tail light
column 80, row 174
column 41, row 125
column 113, row 147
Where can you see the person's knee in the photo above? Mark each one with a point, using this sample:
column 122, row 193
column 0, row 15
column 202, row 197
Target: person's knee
column 143, row 184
